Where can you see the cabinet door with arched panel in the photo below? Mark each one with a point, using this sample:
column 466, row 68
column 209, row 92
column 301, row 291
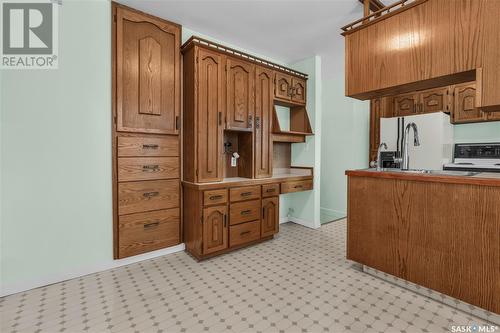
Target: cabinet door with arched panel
column 270, row 216
column 464, row 109
column 406, row 105
column 263, row 122
column 215, row 229
column 147, row 73
column 210, row 113
column 239, row 94
column 298, row 90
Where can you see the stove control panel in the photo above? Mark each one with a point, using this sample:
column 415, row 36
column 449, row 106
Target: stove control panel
column 477, row 150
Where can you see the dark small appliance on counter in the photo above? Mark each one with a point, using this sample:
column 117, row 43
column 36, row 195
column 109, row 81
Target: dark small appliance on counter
column 387, row 160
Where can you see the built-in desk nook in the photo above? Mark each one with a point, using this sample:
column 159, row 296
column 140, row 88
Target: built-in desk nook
column 237, row 157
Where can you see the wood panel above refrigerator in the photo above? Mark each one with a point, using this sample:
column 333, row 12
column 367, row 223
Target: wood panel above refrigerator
column 427, row 44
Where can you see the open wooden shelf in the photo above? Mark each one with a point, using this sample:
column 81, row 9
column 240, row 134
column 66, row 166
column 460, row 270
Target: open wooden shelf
column 300, row 127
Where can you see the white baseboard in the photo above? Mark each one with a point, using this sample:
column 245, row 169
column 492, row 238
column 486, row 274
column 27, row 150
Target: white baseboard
column 284, row 220
column 44, row 281
column 305, row 223
column 332, row 212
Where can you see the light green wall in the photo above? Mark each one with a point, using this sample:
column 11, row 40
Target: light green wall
column 56, row 154
column 345, row 138
column 306, row 205
column 480, row 132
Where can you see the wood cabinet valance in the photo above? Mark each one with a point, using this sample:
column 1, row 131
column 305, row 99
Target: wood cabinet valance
column 433, row 41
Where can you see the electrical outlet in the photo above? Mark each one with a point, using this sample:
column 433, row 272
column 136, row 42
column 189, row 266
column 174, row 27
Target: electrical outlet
column 233, row 161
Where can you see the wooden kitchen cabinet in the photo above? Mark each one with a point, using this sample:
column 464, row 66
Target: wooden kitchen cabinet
column 229, row 107
column 263, row 122
column 426, row 101
column 240, row 77
column 298, row 90
column 221, row 217
column 406, row 105
column 203, row 115
column 395, row 53
column 464, row 110
column 283, row 87
column 147, row 73
column 215, row 229
column 435, row 100
column 270, row 216
column 291, row 89
column 146, row 114
column 492, row 116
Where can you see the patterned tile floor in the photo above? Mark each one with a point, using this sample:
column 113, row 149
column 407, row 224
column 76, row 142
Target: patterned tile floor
column 298, row 282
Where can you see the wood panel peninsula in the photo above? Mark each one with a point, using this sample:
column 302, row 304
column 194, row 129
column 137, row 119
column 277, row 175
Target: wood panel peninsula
column 438, row 231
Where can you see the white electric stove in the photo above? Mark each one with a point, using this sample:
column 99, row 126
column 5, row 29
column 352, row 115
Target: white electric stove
column 480, row 157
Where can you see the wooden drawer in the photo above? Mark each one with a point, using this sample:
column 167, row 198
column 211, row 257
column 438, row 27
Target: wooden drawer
column 135, row 197
column 244, row 193
column 270, row 190
column 148, row 146
column 244, row 211
column 212, row 197
column 296, row 186
column 244, row 233
column 144, row 232
column 147, row 168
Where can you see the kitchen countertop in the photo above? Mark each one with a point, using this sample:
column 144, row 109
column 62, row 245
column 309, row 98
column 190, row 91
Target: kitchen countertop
column 482, row 178
column 279, row 175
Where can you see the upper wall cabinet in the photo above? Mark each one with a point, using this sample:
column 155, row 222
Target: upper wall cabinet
column 427, row 101
column 147, row 74
column 283, row 88
column 298, row 90
column 426, row 44
column 239, row 94
column 290, row 89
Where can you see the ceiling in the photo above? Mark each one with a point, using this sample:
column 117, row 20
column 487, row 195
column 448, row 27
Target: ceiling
column 283, row 30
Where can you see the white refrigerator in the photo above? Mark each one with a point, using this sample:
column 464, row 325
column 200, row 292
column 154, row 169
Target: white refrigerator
column 435, row 134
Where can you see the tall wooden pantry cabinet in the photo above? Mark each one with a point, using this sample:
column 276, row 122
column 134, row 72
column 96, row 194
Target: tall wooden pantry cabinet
column 146, row 132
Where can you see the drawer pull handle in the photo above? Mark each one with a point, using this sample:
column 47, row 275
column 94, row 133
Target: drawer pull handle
column 246, row 194
column 246, row 212
column 216, row 197
column 151, row 225
column 244, row 233
column 150, row 146
column 298, row 186
column 147, row 168
column 225, row 221
column 269, row 190
column 150, row 194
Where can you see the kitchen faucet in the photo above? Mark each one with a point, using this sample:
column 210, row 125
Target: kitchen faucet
column 405, row 160
column 379, row 153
